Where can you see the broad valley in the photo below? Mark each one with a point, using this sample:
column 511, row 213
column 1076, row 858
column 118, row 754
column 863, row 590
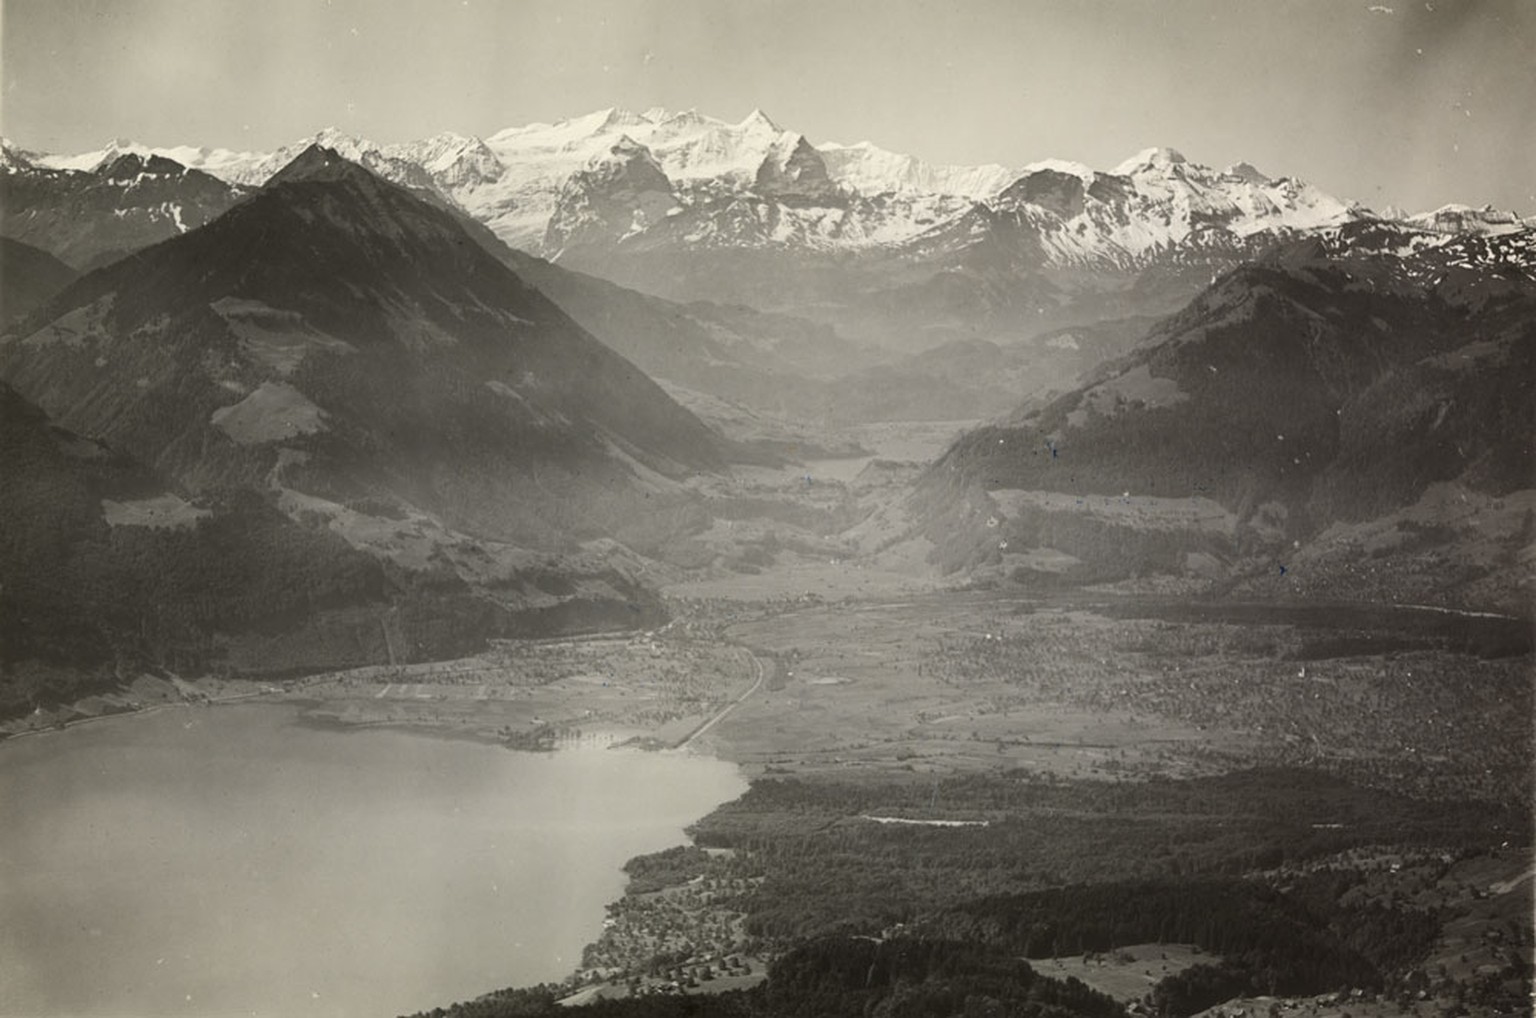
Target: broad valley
column 642, row 562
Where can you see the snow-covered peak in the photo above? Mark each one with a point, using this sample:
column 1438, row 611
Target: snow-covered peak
column 452, row 160
column 133, row 166
column 514, row 179
column 625, row 150
column 94, row 158
column 792, row 168
column 220, row 162
column 1246, row 172
column 757, row 120
column 223, row 163
column 625, row 169
column 1156, row 200
column 13, row 158
column 867, row 169
column 1063, row 166
column 694, row 149
column 348, row 146
column 1150, row 159
column 570, row 134
column 622, row 119
column 1456, row 218
column 441, row 147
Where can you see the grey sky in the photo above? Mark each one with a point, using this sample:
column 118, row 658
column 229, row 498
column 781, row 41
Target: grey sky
column 1414, row 103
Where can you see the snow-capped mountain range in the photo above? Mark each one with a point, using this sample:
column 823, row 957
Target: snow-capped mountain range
column 126, row 201
column 884, row 246
column 845, row 197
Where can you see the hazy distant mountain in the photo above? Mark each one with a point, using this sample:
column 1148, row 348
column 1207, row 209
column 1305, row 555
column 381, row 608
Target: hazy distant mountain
column 1358, row 408
column 89, row 217
column 336, row 337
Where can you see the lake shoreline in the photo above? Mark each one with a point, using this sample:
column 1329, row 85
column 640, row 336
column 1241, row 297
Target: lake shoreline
column 518, row 888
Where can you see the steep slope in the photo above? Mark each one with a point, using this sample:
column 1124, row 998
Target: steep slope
column 1321, row 405
column 733, row 353
column 108, row 573
column 28, row 277
column 617, row 193
column 456, row 163
column 338, row 339
column 87, row 218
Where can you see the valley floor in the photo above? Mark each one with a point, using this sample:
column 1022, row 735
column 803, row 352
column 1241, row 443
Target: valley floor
column 917, row 748
column 1011, row 744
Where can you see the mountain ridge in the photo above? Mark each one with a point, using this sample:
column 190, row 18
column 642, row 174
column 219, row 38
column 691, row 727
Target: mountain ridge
column 888, row 250
column 690, row 147
column 1317, row 409
column 405, row 290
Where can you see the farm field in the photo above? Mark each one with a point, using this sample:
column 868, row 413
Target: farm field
column 1127, row 973
column 974, row 681
column 655, row 689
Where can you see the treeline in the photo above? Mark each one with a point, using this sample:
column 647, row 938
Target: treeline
column 835, row 977
column 115, row 601
column 1250, row 819
column 823, row 870
column 234, row 586
column 1266, row 941
column 667, row 868
column 904, row 976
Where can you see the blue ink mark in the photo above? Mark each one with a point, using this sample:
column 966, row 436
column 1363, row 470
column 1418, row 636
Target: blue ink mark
column 1051, row 446
column 1282, row 570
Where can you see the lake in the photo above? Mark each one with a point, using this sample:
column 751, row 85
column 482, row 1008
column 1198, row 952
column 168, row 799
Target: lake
column 228, row 860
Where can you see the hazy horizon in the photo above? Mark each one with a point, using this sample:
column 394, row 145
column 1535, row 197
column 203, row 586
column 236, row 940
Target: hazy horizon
column 1415, row 105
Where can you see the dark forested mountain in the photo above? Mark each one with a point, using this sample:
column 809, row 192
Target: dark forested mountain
column 109, row 571
column 336, row 336
column 28, row 277
column 328, row 428
column 1323, row 409
column 106, row 570
column 87, row 218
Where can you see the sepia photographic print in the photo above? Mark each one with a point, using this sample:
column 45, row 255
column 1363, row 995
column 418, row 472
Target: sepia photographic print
column 767, row 508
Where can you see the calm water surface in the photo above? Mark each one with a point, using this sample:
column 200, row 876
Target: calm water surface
column 227, row 861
